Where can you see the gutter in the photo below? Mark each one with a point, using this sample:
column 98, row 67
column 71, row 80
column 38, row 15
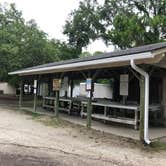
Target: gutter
column 146, row 113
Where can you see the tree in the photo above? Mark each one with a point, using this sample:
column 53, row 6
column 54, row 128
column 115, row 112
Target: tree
column 23, row 44
column 83, row 25
column 140, row 22
column 85, row 54
column 66, row 51
column 125, row 23
column 97, row 53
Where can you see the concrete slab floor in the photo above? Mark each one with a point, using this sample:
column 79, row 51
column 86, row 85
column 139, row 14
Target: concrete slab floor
column 116, row 129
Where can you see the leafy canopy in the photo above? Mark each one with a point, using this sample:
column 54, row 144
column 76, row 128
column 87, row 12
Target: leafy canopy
column 124, row 23
column 23, row 44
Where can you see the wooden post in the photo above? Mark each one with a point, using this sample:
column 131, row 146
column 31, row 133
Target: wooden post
column 89, row 103
column 21, row 94
column 71, row 88
column 89, row 110
column 35, row 97
column 142, row 107
column 49, row 85
column 56, row 104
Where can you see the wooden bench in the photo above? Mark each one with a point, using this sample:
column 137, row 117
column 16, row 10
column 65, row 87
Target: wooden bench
column 113, row 106
column 48, row 102
column 105, row 116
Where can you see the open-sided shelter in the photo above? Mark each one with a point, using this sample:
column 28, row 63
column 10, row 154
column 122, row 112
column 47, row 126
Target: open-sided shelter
column 139, row 84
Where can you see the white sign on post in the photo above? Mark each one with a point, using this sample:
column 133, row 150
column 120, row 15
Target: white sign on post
column 65, row 83
column 35, row 83
column 88, row 84
column 35, row 86
column 124, row 84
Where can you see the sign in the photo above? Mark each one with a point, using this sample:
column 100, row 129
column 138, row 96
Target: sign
column 88, row 84
column 56, row 84
column 65, row 83
column 124, row 84
column 35, row 86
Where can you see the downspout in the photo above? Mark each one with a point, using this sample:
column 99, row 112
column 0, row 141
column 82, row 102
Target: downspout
column 146, row 112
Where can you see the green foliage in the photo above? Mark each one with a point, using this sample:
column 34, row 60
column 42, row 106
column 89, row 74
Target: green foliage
column 85, row 54
column 125, row 23
column 23, row 44
column 97, row 53
column 66, row 51
column 156, row 146
column 83, row 25
column 134, row 23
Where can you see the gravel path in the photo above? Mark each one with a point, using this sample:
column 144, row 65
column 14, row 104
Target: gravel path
column 26, row 140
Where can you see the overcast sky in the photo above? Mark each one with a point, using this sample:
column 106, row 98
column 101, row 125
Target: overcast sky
column 50, row 16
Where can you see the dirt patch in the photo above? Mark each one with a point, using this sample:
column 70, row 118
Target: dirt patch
column 47, row 139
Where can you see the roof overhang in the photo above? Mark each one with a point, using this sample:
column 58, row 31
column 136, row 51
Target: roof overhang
column 139, row 58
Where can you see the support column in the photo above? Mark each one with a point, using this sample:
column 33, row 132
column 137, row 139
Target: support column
column 164, row 97
column 35, row 96
column 71, row 88
column 56, row 104
column 21, row 94
column 142, row 107
column 49, row 85
column 89, row 110
column 89, row 105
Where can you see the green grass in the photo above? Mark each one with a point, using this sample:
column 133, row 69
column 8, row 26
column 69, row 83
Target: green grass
column 51, row 121
column 157, row 146
column 46, row 120
column 33, row 114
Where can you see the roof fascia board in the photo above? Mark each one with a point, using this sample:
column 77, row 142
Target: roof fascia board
column 160, row 51
column 88, row 63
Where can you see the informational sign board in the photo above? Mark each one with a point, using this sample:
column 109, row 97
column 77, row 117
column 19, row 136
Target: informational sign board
column 124, row 84
column 65, row 83
column 88, row 84
column 56, row 84
column 35, row 86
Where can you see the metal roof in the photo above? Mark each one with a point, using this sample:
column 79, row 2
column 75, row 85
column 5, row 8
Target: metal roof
column 131, row 51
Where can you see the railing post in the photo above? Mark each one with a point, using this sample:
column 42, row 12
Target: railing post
column 56, row 104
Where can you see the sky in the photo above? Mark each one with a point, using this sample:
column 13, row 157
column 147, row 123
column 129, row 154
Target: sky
column 50, row 16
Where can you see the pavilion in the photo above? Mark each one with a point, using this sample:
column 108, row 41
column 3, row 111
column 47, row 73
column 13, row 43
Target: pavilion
column 139, row 85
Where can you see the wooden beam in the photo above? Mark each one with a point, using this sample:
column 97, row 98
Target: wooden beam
column 56, row 104
column 96, row 74
column 83, row 74
column 21, row 94
column 135, row 74
column 142, row 107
